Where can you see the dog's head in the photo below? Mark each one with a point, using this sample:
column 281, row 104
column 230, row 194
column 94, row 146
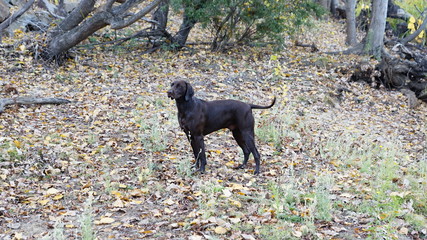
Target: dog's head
column 181, row 90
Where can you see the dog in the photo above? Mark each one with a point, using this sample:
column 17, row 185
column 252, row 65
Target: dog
column 197, row 118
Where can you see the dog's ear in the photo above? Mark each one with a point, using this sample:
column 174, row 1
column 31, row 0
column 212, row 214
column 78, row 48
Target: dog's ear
column 189, row 93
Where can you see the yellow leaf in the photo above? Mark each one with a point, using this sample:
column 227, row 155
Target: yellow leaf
column 220, row 230
column 412, row 19
column 236, row 186
column 197, row 193
column 168, row 211
column 335, row 163
column 235, row 203
column 57, row 197
column 382, row 216
column 17, row 143
column 22, row 47
column 70, row 226
column 411, row 26
column 44, row 202
column 116, row 193
column 229, row 164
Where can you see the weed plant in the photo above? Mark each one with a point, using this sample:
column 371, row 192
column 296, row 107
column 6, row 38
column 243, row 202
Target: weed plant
column 394, row 192
column 279, row 129
column 86, row 222
column 322, row 198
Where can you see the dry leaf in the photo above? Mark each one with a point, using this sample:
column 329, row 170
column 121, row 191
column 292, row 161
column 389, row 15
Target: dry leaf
column 169, row 201
column 118, row 203
column 195, row 237
column 52, row 191
column 220, row 230
column 105, row 220
column 227, row 193
column 247, row 237
column 57, row 197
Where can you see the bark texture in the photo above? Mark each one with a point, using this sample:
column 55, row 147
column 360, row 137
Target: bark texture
column 29, row 100
column 78, row 27
column 374, row 40
column 350, row 10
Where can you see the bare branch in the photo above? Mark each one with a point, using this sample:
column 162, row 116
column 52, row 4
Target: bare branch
column 15, row 16
column 75, row 17
column 126, row 22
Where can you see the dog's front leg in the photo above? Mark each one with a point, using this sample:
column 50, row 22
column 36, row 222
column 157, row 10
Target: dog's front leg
column 198, row 145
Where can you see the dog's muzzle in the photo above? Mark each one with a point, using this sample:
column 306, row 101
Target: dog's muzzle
column 170, row 95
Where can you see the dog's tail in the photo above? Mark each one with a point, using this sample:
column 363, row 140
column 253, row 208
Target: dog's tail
column 253, row 106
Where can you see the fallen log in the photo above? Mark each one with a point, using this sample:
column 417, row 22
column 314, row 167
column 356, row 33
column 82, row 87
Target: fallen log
column 404, row 69
column 30, row 100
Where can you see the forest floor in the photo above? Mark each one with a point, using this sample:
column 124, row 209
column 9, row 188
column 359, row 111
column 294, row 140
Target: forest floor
column 340, row 159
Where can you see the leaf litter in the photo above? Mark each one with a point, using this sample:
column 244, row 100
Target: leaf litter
column 119, row 144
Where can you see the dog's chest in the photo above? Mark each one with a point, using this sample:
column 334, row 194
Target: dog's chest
column 184, row 121
column 191, row 121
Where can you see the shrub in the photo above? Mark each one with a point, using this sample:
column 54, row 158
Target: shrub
column 245, row 21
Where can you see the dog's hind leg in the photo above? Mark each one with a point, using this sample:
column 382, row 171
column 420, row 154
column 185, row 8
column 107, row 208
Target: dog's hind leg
column 237, row 134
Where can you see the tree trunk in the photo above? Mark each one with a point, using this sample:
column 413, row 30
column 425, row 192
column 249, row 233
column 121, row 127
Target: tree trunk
column 374, row 39
column 325, row 4
column 83, row 9
column 184, row 30
column 78, row 26
column 333, row 7
column 160, row 16
column 350, row 8
column 63, row 42
column 188, row 22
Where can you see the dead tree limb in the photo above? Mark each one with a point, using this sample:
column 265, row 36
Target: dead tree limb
column 6, row 23
column 30, row 100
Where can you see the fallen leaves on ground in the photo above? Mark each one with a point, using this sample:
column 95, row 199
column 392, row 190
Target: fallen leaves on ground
column 119, row 144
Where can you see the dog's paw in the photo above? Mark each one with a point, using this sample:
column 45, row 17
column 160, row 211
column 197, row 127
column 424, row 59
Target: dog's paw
column 241, row 166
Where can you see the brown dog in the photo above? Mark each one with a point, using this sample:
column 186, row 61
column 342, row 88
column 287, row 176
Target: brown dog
column 199, row 118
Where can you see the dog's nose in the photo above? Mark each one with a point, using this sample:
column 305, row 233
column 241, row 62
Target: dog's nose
column 170, row 93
